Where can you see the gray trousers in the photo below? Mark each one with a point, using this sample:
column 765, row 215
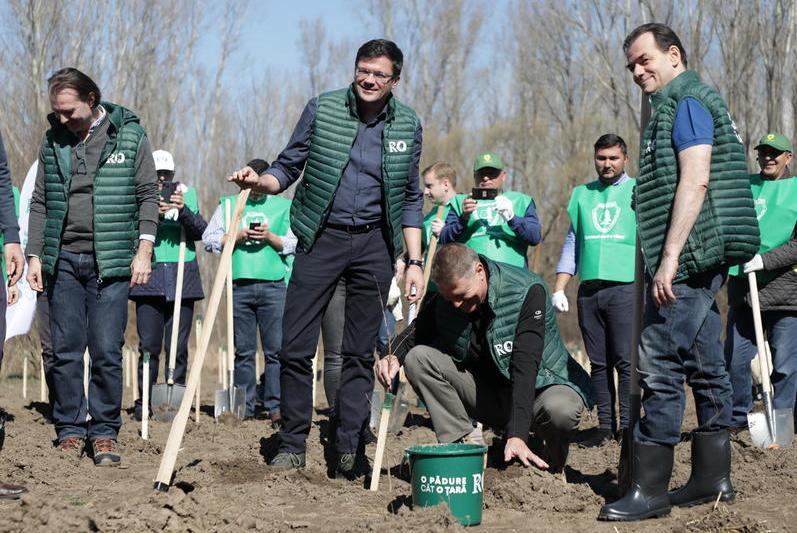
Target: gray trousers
column 454, row 396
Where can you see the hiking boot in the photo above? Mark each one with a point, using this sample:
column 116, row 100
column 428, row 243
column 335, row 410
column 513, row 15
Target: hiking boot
column 72, row 446
column 711, row 471
column 105, row 453
column 288, row 460
column 353, row 465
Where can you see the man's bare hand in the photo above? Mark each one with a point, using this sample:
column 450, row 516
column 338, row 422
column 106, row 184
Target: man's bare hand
column 177, row 200
column 437, row 227
column 244, row 178
column 401, row 267
column 516, row 449
column 386, row 370
column 260, row 232
column 15, row 262
column 141, row 267
column 34, row 276
column 413, row 277
column 13, row 295
column 468, row 207
column 661, row 287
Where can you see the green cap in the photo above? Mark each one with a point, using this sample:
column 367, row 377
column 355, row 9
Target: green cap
column 488, row 160
column 776, row 141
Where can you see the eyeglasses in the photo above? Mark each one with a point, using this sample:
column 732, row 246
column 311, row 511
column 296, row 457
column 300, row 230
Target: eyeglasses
column 380, row 77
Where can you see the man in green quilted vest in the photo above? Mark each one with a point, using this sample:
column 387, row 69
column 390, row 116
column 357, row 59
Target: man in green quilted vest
column 179, row 219
column 600, row 247
column 502, row 226
column 487, row 348
column 357, row 208
column 695, row 218
column 261, row 268
column 775, row 194
column 93, row 221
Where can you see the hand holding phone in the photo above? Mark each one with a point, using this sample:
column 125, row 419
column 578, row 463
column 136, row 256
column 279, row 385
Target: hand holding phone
column 484, row 193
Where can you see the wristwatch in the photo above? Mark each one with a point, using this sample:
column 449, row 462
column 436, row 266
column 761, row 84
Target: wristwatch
column 416, row 262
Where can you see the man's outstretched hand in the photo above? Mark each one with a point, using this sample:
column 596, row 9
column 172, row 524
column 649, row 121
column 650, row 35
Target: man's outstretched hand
column 244, row 178
column 516, row 449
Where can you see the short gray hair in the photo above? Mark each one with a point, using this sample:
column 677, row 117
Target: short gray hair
column 453, row 262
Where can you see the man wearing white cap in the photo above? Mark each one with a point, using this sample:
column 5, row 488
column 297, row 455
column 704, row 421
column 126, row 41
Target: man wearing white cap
column 179, row 218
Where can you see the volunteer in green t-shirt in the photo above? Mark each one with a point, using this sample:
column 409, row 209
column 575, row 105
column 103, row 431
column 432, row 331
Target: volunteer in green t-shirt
column 179, row 215
column 501, row 227
column 775, row 195
column 261, row 266
column 600, row 247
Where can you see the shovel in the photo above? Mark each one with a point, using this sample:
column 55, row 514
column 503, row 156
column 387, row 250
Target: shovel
column 772, row 428
column 166, row 397
column 232, row 399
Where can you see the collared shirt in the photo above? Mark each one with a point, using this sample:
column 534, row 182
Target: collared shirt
column 359, row 196
column 568, row 259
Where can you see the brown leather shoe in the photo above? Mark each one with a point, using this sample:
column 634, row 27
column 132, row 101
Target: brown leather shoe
column 11, row 492
column 72, row 446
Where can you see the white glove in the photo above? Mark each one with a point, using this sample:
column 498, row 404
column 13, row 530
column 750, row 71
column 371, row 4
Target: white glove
column 754, row 264
column 559, row 301
column 503, row 206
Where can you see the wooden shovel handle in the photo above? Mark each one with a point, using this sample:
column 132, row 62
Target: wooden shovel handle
column 758, row 325
column 178, row 302
column 169, row 458
column 427, row 269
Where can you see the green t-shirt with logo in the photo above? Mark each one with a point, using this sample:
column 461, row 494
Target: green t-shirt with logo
column 605, row 228
column 167, row 242
column 776, row 210
column 258, row 260
column 488, row 234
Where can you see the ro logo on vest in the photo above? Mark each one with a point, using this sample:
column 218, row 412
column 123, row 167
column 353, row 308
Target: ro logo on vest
column 760, row 207
column 605, row 216
column 116, row 158
column 504, row 348
column 396, row 146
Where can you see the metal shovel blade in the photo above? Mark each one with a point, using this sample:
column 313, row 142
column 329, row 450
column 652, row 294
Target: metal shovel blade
column 166, row 400
column 224, row 397
column 780, row 436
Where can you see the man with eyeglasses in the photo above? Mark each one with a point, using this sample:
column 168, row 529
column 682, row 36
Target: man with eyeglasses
column 775, row 195
column 357, row 208
column 498, row 224
column 93, row 221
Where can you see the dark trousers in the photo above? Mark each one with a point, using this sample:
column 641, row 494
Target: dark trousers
column 605, row 316
column 332, row 334
column 364, row 262
column 154, row 321
column 258, row 306
column 86, row 314
column 46, row 341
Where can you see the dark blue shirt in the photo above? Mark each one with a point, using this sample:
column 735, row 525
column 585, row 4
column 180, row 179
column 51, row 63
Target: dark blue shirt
column 693, row 125
column 359, row 197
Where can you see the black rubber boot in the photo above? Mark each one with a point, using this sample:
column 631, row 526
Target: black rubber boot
column 647, row 496
column 711, row 471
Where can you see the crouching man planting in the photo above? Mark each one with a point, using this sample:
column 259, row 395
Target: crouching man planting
column 487, row 348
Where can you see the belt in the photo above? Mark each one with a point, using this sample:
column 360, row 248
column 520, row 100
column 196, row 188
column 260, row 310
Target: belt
column 362, row 228
column 595, row 284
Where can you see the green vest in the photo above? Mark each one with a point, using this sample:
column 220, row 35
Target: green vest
column 507, row 290
column 254, row 259
column 605, row 229
column 115, row 203
column 776, row 208
column 15, row 190
column 488, row 234
column 167, row 244
column 725, row 232
column 334, row 130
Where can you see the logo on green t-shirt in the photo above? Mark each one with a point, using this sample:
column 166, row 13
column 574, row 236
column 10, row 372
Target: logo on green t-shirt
column 605, row 216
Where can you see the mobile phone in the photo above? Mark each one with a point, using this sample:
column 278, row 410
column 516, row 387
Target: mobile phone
column 167, row 190
column 484, row 193
column 254, row 225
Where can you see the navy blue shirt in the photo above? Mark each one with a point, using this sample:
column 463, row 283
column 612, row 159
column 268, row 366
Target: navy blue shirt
column 693, row 125
column 359, row 197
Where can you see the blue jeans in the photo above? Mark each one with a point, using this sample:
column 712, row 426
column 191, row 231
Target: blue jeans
column 86, row 313
column 781, row 331
column 683, row 341
column 258, row 305
column 387, row 330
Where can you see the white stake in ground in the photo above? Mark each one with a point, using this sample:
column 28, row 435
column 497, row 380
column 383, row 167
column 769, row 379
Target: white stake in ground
column 145, row 398
column 25, row 377
column 42, row 382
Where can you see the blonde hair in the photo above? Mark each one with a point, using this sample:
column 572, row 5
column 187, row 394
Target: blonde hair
column 442, row 171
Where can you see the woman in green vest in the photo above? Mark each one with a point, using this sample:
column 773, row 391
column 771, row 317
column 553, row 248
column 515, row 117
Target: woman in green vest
column 775, row 194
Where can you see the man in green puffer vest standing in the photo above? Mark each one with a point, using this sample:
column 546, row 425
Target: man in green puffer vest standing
column 487, row 347
column 357, row 208
column 93, row 221
column 501, row 226
column 695, row 218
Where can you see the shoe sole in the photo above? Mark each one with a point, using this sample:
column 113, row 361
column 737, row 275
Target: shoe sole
column 107, row 463
column 626, row 518
column 725, row 498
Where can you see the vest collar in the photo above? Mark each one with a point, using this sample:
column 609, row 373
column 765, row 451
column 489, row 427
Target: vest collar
column 685, row 78
column 351, row 103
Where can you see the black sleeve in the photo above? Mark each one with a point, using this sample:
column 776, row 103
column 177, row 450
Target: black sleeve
column 419, row 331
column 783, row 256
column 8, row 215
column 193, row 223
column 526, row 356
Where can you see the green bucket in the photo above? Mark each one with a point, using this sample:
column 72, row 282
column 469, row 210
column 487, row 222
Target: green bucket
column 452, row 474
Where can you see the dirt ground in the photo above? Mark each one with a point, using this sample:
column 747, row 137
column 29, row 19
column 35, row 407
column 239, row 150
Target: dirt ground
column 222, row 483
